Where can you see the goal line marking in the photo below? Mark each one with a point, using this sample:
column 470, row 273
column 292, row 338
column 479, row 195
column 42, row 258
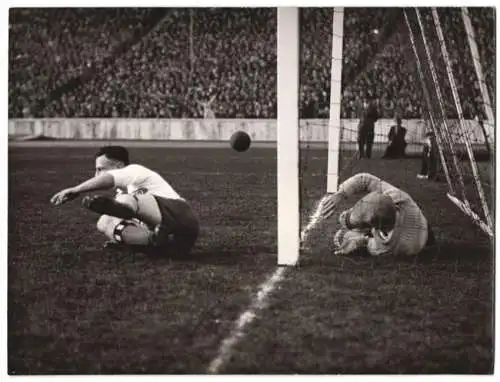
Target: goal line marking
column 258, row 304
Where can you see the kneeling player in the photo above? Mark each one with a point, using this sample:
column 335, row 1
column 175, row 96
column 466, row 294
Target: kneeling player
column 146, row 211
column 386, row 221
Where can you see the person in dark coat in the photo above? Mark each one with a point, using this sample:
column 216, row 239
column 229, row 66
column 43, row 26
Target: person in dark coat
column 366, row 128
column 397, row 143
column 430, row 168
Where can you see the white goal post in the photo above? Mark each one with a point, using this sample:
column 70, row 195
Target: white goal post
column 334, row 127
column 288, row 131
column 288, row 135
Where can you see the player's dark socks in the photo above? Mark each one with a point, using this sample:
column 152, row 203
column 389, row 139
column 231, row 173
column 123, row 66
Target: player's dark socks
column 107, row 206
column 162, row 236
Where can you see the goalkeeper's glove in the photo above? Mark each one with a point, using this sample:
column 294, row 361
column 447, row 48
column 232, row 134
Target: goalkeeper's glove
column 347, row 242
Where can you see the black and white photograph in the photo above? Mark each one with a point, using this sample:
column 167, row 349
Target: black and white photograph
column 271, row 190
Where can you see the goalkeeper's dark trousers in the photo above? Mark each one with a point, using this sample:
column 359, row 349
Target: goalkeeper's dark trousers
column 365, row 139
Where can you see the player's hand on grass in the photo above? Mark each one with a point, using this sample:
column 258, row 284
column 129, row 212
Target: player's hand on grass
column 64, row 196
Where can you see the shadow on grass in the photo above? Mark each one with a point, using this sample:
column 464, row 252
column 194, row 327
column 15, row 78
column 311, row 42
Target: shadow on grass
column 449, row 250
column 445, row 252
column 212, row 256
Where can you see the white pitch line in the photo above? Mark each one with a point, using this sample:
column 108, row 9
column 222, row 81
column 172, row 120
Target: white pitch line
column 258, row 304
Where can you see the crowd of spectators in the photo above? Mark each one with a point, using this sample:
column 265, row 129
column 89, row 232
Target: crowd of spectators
column 195, row 63
column 48, row 47
column 181, row 66
column 461, row 60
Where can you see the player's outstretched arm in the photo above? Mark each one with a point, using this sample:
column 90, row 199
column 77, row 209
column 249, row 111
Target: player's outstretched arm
column 361, row 183
column 101, row 182
column 357, row 184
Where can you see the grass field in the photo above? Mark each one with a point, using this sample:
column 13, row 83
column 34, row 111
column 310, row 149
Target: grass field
column 76, row 308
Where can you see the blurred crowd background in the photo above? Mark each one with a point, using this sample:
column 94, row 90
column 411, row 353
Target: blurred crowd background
column 216, row 62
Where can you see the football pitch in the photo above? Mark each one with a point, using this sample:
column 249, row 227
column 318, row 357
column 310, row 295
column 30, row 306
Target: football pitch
column 76, row 308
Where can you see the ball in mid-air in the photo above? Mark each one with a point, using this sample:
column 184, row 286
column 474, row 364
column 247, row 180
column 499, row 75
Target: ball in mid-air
column 240, row 141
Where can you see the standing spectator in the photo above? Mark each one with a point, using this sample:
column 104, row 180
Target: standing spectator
column 430, row 158
column 397, row 143
column 366, row 128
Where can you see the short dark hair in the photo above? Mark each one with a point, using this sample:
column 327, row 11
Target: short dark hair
column 118, row 153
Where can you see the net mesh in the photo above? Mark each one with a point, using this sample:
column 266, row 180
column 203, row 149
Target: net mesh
column 455, row 105
column 422, row 93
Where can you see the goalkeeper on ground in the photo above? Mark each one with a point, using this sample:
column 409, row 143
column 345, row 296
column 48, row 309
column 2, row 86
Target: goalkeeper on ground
column 386, row 221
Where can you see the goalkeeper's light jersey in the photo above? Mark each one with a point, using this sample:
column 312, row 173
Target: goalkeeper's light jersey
column 410, row 232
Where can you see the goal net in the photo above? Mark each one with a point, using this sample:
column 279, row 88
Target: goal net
column 458, row 104
column 356, row 55
column 349, row 57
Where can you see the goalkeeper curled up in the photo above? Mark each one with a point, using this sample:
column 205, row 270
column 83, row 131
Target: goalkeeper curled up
column 146, row 211
column 385, row 221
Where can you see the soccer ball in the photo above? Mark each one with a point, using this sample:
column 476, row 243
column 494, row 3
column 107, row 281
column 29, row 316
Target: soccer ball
column 240, row 141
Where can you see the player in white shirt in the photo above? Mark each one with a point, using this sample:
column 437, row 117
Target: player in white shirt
column 146, row 211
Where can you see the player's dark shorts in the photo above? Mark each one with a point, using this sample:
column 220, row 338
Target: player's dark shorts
column 180, row 220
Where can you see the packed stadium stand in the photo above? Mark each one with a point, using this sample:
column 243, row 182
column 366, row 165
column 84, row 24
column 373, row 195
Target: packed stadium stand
column 182, row 63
